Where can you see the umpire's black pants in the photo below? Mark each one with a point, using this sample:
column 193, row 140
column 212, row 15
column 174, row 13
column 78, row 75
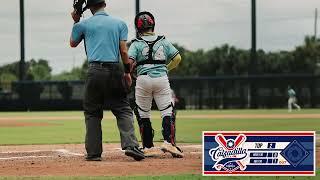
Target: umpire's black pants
column 104, row 86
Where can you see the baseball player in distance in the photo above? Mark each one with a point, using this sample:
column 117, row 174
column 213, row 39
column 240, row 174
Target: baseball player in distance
column 154, row 56
column 292, row 100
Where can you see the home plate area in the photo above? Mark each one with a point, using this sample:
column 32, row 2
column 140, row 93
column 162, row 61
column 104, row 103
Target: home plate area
column 68, row 160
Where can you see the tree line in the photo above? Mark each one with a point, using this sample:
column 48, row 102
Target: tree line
column 224, row 60
column 229, row 60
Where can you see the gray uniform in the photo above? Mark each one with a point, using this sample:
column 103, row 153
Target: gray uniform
column 292, row 100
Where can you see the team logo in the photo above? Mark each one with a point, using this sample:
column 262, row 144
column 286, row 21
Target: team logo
column 228, row 155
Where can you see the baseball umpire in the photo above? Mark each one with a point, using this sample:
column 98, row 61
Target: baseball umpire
column 151, row 54
column 105, row 41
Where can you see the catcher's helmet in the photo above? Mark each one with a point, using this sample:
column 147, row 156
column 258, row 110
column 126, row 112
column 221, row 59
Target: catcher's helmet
column 94, row 2
column 143, row 21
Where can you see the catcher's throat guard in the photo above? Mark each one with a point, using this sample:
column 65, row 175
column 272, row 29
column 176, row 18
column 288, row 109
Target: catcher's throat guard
column 80, row 6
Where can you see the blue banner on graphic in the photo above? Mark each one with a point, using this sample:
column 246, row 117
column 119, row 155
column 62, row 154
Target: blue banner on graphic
column 278, row 153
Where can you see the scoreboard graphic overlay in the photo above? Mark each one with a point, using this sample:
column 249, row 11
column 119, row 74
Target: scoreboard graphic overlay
column 258, row 153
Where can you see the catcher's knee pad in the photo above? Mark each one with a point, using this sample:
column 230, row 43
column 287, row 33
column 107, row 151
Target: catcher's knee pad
column 146, row 132
column 167, row 111
column 169, row 129
column 143, row 113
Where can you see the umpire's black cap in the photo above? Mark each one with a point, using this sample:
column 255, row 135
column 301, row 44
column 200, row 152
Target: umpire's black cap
column 94, row 2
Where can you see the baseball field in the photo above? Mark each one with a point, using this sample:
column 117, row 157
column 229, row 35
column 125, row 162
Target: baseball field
column 50, row 145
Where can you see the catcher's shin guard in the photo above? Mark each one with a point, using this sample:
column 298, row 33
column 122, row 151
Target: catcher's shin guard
column 169, row 135
column 169, row 129
column 174, row 113
column 145, row 127
column 147, row 133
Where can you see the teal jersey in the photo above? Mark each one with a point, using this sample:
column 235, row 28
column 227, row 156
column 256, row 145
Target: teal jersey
column 163, row 50
column 291, row 93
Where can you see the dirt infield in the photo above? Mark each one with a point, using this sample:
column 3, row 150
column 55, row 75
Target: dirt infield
column 67, row 160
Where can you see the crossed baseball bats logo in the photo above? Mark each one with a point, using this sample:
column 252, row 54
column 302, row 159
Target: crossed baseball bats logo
column 228, row 145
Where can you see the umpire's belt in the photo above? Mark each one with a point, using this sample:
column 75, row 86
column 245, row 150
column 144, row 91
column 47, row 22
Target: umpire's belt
column 103, row 64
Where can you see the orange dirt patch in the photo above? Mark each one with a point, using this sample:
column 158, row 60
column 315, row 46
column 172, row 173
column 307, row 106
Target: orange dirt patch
column 68, row 160
column 22, row 124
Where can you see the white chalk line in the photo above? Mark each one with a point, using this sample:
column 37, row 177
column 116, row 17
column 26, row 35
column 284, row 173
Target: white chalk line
column 184, row 146
column 11, row 152
column 192, row 146
column 24, row 157
column 195, row 152
column 62, row 151
column 65, row 152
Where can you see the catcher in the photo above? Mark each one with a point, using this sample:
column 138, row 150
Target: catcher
column 152, row 54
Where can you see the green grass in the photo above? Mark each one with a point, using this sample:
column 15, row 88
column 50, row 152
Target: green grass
column 186, row 112
column 72, row 130
column 255, row 111
column 188, row 130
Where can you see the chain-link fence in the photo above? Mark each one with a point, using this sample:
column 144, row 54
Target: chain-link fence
column 224, row 92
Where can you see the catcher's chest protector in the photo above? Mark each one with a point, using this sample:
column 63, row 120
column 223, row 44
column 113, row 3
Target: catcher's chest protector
column 150, row 59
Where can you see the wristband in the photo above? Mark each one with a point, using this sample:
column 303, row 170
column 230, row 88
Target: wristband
column 127, row 68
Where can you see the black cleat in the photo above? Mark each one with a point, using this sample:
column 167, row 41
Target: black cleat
column 135, row 153
column 93, row 158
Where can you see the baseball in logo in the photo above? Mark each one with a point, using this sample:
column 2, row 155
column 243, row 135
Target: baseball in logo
column 229, row 153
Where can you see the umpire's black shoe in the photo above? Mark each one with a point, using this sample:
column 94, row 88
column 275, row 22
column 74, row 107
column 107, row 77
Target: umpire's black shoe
column 93, row 158
column 135, row 153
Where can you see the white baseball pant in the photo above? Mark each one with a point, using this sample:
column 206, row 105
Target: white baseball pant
column 292, row 101
column 148, row 88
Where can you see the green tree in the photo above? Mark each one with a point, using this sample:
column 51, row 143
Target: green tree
column 222, row 60
column 38, row 70
column 12, row 68
column 77, row 73
column 306, row 56
column 35, row 70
